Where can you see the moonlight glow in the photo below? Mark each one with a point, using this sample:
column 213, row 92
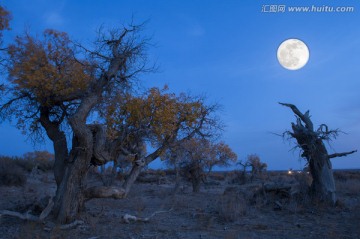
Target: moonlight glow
column 293, row 54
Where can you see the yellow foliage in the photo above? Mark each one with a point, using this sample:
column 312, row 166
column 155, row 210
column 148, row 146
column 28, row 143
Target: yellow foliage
column 47, row 68
column 5, row 18
column 158, row 112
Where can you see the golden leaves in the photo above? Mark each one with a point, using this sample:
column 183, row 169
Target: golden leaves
column 5, row 18
column 47, row 68
column 158, row 113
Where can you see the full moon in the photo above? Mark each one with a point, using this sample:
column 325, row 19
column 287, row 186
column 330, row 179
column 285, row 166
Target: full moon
column 293, row 54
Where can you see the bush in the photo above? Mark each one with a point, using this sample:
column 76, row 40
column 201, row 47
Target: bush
column 43, row 160
column 10, row 173
column 26, row 165
column 217, row 176
column 231, row 206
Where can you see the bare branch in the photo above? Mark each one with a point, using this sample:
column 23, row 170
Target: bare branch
column 305, row 118
column 341, row 154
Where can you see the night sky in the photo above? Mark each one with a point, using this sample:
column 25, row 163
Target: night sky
column 227, row 51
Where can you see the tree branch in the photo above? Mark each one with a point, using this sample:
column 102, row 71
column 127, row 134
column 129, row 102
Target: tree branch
column 305, row 118
column 341, row 154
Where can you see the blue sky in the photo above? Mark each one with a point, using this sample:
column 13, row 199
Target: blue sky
column 227, row 50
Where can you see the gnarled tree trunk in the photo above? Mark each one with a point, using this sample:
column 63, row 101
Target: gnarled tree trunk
column 70, row 195
column 70, row 198
column 314, row 151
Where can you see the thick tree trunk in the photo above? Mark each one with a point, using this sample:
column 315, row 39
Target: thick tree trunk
column 196, row 177
column 70, row 198
column 70, row 195
column 323, row 184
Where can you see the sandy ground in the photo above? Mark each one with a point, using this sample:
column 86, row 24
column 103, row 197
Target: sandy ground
column 223, row 209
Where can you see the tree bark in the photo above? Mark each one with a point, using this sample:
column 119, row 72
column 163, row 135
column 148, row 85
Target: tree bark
column 138, row 165
column 70, row 197
column 196, row 184
column 130, row 180
column 323, row 184
column 196, row 177
column 59, row 143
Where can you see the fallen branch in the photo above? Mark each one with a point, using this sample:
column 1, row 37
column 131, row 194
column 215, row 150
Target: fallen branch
column 105, row 192
column 23, row 216
column 71, row 225
column 127, row 218
column 28, row 216
column 50, row 226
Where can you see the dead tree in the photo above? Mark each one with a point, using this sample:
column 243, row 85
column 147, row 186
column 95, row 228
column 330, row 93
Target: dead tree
column 314, row 151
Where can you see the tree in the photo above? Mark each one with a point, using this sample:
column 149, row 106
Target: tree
column 55, row 85
column 5, row 18
column 314, row 151
column 197, row 156
column 256, row 165
column 253, row 161
column 158, row 119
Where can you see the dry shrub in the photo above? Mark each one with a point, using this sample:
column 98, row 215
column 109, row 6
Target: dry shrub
column 170, row 172
column 41, row 160
column 10, row 173
column 237, row 177
column 301, row 198
column 350, row 187
column 156, row 172
column 120, row 176
column 232, row 205
column 217, row 176
column 26, row 165
column 340, row 176
column 147, row 179
column 344, row 175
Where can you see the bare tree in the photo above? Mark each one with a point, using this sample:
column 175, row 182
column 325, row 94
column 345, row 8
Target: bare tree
column 314, row 151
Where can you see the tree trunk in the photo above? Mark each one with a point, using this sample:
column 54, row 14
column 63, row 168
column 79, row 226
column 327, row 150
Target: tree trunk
column 130, row 180
column 70, row 195
column 61, row 156
column 196, row 177
column 59, row 143
column 177, row 179
column 69, row 199
column 196, row 184
column 323, row 184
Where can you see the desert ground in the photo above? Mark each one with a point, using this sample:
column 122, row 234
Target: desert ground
column 229, row 205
